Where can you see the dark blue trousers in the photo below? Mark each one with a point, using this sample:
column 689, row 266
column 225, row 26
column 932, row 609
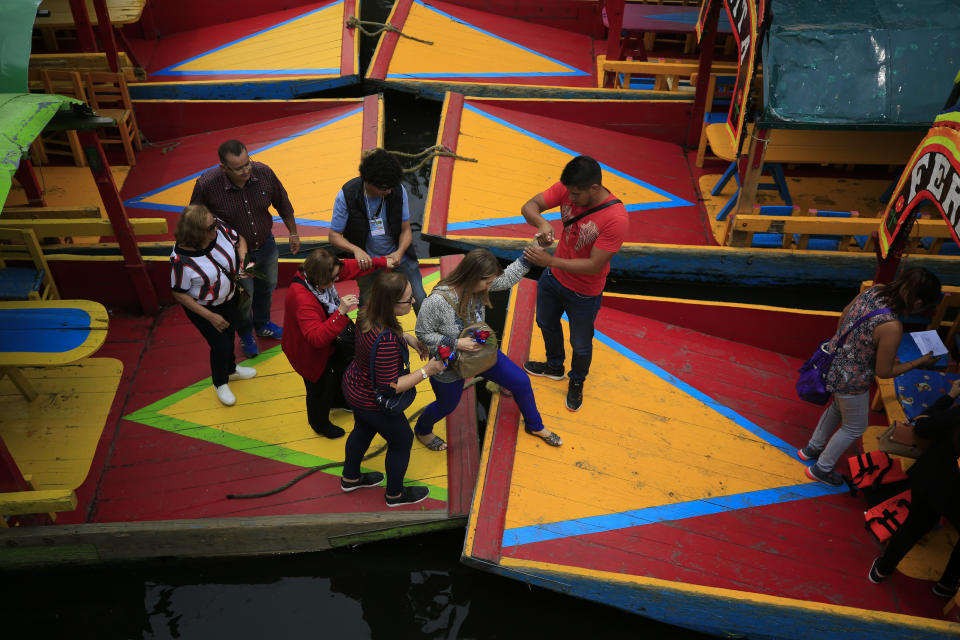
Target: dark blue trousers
column 395, row 430
column 505, row 373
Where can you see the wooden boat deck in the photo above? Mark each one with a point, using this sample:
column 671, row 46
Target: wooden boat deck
column 470, row 200
column 280, row 54
column 332, row 133
column 465, row 45
column 152, row 465
column 678, row 494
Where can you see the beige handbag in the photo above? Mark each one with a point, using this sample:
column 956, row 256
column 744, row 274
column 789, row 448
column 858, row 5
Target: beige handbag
column 900, row 439
column 472, row 363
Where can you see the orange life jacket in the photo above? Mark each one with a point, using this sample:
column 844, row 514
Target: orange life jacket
column 884, row 519
column 875, row 468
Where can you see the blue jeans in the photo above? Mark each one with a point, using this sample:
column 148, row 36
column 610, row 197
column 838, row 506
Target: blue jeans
column 553, row 300
column 504, row 373
column 409, row 268
column 260, row 291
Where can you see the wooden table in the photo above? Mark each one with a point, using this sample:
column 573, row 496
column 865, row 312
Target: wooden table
column 44, row 333
column 61, row 17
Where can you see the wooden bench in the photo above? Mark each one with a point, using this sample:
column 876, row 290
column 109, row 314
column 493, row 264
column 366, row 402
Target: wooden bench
column 811, row 146
column 67, row 227
column 61, row 17
column 48, row 333
column 80, row 62
column 742, row 228
column 666, row 73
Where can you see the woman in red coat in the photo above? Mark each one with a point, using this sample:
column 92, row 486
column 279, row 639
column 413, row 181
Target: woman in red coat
column 318, row 335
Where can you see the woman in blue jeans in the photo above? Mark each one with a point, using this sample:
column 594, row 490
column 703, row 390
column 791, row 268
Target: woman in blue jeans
column 439, row 323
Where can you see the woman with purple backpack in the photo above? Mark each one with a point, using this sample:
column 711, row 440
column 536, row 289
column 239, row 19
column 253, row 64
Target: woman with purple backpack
column 873, row 331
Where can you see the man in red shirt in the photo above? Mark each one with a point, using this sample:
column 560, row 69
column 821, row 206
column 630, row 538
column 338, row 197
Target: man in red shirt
column 594, row 223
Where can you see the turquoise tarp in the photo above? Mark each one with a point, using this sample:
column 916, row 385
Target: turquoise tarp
column 886, row 62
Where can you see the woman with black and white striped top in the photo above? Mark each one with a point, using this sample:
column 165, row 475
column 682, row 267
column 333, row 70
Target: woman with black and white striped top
column 206, row 261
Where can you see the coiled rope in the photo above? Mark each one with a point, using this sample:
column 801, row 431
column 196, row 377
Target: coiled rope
column 329, row 465
column 354, row 23
column 430, row 153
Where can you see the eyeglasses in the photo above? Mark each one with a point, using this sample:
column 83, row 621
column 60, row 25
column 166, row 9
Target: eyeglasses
column 410, row 301
column 239, row 170
column 212, row 227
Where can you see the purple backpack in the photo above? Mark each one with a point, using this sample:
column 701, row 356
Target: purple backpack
column 811, row 385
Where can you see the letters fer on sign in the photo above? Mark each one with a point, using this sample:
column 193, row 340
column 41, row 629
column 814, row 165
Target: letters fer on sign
column 932, row 175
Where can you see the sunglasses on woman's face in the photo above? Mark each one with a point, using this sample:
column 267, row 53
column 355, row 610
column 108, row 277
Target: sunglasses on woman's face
column 212, row 227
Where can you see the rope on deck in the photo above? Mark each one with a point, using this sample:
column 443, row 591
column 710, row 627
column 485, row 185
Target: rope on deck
column 354, row 23
column 329, row 465
column 437, row 150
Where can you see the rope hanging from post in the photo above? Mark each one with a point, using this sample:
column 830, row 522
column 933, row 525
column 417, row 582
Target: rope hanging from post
column 430, row 153
column 354, row 23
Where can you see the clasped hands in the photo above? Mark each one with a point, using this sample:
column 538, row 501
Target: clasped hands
column 365, row 261
column 534, row 252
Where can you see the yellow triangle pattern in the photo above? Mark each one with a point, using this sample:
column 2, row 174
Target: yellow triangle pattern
column 532, row 165
column 333, row 152
column 628, row 417
column 310, row 42
column 460, row 49
column 271, row 409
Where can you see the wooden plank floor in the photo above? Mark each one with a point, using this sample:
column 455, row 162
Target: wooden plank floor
column 162, row 181
column 681, row 468
column 178, row 452
column 650, row 177
column 304, row 42
column 480, row 47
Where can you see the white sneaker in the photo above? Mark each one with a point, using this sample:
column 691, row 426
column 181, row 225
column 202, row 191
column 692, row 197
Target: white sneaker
column 243, row 373
column 226, row 396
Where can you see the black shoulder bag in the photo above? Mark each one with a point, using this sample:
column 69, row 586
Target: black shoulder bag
column 396, row 403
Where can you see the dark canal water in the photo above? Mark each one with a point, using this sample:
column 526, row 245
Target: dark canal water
column 413, row 588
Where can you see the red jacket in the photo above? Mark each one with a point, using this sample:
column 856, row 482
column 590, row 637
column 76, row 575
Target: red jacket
column 308, row 332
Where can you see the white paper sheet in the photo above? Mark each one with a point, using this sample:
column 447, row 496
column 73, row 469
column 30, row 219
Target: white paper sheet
column 929, row 341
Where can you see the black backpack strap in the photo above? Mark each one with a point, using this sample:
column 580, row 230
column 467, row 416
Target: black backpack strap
column 599, row 207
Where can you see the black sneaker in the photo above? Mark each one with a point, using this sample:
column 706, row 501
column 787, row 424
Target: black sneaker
column 808, row 453
column 368, row 479
column 575, row 395
column 943, row 591
column 831, row 478
column 876, row 576
column 328, row 430
column 410, row 495
column 543, row 370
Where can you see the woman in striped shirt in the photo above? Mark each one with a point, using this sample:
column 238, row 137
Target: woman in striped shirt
column 206, row 261
column 391, row 296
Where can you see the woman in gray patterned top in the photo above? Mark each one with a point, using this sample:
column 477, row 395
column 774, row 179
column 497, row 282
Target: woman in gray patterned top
column 439, row 323
column 870, row 350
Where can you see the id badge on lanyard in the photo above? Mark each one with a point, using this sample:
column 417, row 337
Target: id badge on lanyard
column 376, row 222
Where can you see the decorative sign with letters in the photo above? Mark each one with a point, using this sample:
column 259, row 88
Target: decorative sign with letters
column 745, row 17
column 932, row 175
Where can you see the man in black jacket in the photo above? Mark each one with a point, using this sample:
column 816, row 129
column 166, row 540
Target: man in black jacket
column 371, row 219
